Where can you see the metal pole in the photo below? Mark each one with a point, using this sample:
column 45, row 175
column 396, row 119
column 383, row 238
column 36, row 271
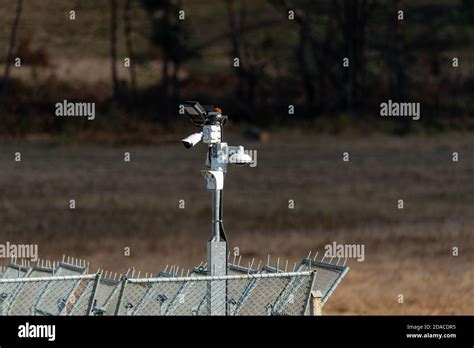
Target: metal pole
column 90, row 307
column 216, row 218
column 217, row 260
column 219, row 155
column 120, row 298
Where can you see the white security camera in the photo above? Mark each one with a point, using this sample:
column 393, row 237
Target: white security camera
column 239, row 157
column 192, row 140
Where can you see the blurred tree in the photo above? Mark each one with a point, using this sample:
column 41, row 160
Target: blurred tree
column 113, row 46
column 315, row 52
column 253, row 57
column 352, row 18
column 127, row 15
column 467, row 8
column 11, row 48
column 395, row 52
column 172, row 36
column 395, row 58
column 302, row 14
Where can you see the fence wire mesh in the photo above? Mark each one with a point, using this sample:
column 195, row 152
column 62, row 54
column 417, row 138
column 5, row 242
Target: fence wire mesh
column 24, row 293
column 329, row 276
column 68, row 290
column 103, row 291
column 14, row 271
column 43, row 295
column 250, row 294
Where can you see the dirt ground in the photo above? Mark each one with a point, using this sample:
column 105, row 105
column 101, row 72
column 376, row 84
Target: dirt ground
column 136, row 204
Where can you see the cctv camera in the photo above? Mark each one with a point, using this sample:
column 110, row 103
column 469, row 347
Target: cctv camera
column 240, row 157
column 192, row 140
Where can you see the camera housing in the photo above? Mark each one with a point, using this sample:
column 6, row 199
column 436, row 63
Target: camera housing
column 196, row 112
column 203, row 115
column 192, row 140
column 238, row 156
column 211, row 121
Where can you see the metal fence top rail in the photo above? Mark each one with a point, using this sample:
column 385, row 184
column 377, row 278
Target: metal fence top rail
column 314, row 263
column 44, row 279
column 227, row 277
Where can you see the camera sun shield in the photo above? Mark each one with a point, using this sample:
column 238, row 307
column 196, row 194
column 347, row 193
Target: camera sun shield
column 196, row 112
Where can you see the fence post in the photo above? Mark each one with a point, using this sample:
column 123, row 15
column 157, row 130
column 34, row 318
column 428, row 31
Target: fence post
column 94, row 291
column 122, row 290
column 316, row 303
column 217, row 266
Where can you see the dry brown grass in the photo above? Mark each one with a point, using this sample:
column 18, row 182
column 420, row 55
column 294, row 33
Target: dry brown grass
column 407, row 252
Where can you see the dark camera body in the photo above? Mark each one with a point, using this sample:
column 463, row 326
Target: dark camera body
column 203, row 115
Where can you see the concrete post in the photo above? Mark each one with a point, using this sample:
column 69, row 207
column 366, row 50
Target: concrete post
column 217, row 266
column 316, row 303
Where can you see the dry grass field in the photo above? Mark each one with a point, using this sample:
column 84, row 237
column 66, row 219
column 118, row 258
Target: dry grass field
column 136, row 204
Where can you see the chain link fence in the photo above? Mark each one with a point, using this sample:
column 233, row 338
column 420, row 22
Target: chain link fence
column 329, row 276
column 67, row 289
column 46, row 295
column 247, row 294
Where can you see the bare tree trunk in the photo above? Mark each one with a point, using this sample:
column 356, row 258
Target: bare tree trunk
column 129, row 46
column 164, row 97
column 352, row 17
column 304, row 40
column 176, row 86
column 324, row 55
column 11, row 48
column 250, row 69
column 303, row 68
column 165, row 88
column 396, row 60
column 236, row 47
column 113, row 46
column 396, row 53
column 176, row 66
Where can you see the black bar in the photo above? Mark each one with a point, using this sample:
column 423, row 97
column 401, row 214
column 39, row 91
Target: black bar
column 289, row 331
